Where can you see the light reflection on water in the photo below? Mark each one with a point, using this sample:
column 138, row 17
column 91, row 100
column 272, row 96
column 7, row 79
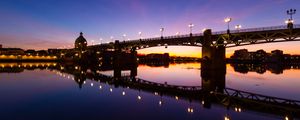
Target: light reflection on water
column 187, row 74
column 34, row 94
column 285, row 85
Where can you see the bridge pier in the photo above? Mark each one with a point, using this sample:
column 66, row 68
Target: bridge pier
column 123, row 60
column 213, row 66
column 133, row 70
column 117, row 59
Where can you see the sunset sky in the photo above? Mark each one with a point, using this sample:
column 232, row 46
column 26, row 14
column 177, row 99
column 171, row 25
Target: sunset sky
column 43, row 24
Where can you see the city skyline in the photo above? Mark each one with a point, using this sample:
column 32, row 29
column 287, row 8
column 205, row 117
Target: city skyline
column 55, row 24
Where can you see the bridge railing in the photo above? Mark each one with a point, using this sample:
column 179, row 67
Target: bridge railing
column 166, row 37
column 227, row 91
column 259, row 97
column 281, row 27
column 187, row 88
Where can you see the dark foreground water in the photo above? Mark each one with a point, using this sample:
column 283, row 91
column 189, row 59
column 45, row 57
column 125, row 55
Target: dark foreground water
column 46, row 91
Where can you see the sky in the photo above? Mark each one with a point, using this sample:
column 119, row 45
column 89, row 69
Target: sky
column 43, row 24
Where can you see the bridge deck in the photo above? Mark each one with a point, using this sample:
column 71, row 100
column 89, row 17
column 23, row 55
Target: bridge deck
column 236, row 38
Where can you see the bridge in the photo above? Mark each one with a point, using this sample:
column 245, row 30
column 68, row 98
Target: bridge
column 213, row 67
column 213, row 44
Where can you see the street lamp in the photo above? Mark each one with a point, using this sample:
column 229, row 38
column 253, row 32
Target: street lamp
column 162, row 31
column 92, row 41
column 124, row 37
column 291, row 12
column 226, row 117
column 140, row 34
column 227, row 20
column 238, row 27
column 191, row 25
column 290, row 21
column 111, row 37
column 100, row 40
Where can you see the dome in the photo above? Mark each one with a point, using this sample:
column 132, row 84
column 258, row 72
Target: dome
column 80, row 39
column 80, row 42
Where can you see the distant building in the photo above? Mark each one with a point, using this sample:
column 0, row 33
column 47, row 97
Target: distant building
column 291, row 58
column 80, row 43
column 276, row 56
column 42, row 52
column 245, row 55
column 259, row 55
column 55, row 51
column 30, row 52
column 241, row 54
column 0, row 46
column 39, row 52
column 11, row 51
column 155, row 57
column 80, row 46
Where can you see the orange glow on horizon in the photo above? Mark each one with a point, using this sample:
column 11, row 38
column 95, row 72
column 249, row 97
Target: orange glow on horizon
column 183, row 51
column 189, row 51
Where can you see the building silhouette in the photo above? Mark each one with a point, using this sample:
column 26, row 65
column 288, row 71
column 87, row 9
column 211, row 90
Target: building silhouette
column 261, row 56
column 11, row 51
column 80, row 43
column 155, row 57
column 80, row 46
column 245, row 55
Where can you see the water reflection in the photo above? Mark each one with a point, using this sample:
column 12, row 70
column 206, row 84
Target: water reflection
column 211, row 90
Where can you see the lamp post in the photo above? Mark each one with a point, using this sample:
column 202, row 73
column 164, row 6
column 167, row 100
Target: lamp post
column 140, row 34
column 228, row 20
column 162, row 31
column 290, row 21
column 191, row 25
column 111, row 38
column 92, row 41
column 124, row 37
column 238, row 27
column 100, row 40
column 291, row 12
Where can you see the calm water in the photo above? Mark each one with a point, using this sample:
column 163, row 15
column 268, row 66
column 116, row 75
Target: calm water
column 50, row 92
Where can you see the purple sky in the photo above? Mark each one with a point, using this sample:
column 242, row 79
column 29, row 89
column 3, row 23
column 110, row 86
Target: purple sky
column 42, row 24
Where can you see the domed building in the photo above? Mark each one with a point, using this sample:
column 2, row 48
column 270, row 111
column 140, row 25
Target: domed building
column 80, row 43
